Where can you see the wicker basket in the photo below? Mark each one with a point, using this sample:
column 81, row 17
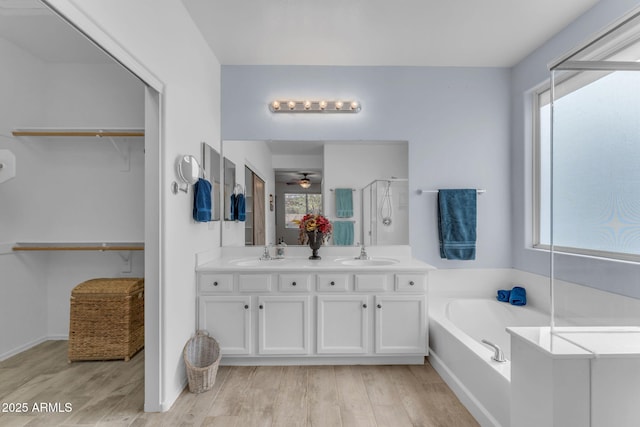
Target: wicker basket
column 106, row 319
column 201, row 357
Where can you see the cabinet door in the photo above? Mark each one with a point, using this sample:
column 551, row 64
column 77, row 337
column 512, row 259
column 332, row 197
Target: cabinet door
column 228, row 320
column 342, row 324
column 283, row 325
column 401, row 324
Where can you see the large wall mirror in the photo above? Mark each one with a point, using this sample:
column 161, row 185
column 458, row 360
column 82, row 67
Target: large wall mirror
column 303, row 176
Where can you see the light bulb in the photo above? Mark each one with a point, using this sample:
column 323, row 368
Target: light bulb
column 307, row 105
column 275, row 105
column 291, row 105
column 323, row 105
column 354, row 105
column 339, row 105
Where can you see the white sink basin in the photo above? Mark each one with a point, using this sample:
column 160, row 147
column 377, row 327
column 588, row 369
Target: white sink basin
column 369, row 262
column 255, row 261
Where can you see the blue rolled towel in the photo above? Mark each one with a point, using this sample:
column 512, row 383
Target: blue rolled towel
column 518, row 296
column 202, row 201
column 503, row 295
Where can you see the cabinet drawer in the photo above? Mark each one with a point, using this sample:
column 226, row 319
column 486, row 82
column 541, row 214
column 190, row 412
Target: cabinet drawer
column 370, row 282
column 333, row 282
column 294, row 282
column 254, row 282
column 411, row 282
column 214, row 282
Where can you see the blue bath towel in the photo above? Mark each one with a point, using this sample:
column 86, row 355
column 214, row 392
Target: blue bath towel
column 503, row 295
column 518, row 296
column 457, row 223
column 344, row 202
column 202, row 201
column 343, row 233
column 232, row 207
column 241, row 210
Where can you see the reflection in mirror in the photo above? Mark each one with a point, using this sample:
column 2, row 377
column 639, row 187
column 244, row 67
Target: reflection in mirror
column 211, row 166
column 229, row 185
column 303, row 176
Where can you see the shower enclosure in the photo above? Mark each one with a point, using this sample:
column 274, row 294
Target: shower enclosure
column 385, row 212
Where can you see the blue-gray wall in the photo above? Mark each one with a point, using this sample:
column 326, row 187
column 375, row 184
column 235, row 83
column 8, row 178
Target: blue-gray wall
column 618, row 277
column 456, row 121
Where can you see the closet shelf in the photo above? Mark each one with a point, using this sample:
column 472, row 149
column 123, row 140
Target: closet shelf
column 87, row 246
column 108, row 132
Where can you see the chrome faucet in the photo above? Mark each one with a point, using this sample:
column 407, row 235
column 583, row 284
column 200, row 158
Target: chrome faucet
column 363, row 253
column 498, row 356
column 266, row 256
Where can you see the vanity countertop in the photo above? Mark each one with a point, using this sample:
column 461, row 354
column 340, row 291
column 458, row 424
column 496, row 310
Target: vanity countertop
column 327, row 263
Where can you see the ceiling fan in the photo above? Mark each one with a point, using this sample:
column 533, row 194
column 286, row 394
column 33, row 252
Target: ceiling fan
column 303, row 182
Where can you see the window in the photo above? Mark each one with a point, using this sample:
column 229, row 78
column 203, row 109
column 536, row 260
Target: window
column 596, row 165
column 297, row 205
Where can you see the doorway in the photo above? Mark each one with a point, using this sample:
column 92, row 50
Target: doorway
column 255, row 224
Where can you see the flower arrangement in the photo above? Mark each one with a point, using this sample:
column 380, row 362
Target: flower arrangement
column 314, row 223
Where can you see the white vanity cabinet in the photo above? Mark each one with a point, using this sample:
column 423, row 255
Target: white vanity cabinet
column 311, row 316
column 228, row 319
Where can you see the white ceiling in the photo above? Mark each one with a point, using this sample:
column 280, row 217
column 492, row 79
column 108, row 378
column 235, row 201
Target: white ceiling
column 483, row 33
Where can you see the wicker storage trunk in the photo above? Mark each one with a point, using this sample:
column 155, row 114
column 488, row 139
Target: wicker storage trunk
column 106, row 319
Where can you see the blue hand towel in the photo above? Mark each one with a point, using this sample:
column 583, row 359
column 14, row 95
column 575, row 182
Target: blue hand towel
column 457, row 223
column 344, row 202
column 232, row 207
column 503, row 295
column 202, row 201
column 343, row 233
column 241, row 210
column 518, row 296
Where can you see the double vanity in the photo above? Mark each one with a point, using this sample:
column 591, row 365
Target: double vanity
column 337, row 310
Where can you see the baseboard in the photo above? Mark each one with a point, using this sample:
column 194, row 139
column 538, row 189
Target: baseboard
column 479, row 412
column 22, row 348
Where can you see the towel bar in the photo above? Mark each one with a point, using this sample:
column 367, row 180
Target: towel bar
column 420, row 191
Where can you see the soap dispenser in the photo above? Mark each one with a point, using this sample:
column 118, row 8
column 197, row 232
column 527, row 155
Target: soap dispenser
column 280, row 249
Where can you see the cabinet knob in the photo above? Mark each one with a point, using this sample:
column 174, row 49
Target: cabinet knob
column 364, row 305
column 411, row 283
column 293, row 283
column 332, row 283
column 261, row 306
column 246, row 306
column 215, row 283
column 379, row 306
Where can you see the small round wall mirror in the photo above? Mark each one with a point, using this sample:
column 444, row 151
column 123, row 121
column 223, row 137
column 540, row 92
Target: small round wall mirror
column 188, row 172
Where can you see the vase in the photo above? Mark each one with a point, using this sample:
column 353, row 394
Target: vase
column 315, row 241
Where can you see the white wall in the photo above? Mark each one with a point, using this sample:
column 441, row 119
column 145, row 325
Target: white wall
column 618, row 277
column 456, row 121
column 159, row 39
column 23, row 301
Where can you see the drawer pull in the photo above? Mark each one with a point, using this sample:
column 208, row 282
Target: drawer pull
column 261, row 306
column 364, row 305
column 215, row 283
column 333, row 284
column 246, row 306
column 293, row 283
column 379, row 306
column 411, row 283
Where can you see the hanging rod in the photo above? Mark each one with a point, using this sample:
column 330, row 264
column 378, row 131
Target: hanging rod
column 332, row 189
column 79, row 132
column 419, row 191
column 69, row 246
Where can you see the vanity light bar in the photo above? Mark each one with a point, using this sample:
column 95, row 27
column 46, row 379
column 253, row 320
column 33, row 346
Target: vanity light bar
column 292, row 106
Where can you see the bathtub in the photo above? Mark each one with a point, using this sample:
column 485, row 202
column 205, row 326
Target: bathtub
column 456, row 328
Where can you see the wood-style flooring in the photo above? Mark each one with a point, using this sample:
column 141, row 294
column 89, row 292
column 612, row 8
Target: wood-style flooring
column 112, row 394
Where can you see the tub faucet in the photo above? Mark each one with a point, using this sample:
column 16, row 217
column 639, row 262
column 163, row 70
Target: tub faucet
column 363, row 253
column 498, row 356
